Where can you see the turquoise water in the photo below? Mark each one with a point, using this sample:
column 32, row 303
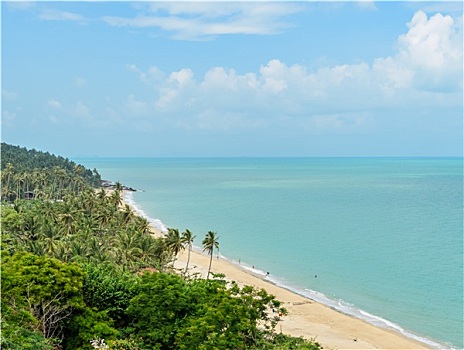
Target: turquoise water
column 383, row 235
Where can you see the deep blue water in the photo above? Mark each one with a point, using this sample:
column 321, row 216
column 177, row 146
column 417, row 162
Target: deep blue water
column 383, row 235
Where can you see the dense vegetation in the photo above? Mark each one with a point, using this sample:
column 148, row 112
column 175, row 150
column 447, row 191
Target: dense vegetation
column 84, row 272
column 41, row 174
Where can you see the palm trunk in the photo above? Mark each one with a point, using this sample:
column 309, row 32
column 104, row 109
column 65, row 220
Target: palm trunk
column 210, row 261
column 188, row 260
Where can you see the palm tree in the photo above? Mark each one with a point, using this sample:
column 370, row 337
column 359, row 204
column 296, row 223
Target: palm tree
column 79, row 251
column 142, row 225
column 18, row 179
column 174, row 242
column 150, row 250
column 50, row 237
column 101, row 194
column 7, row 174
column 125, row 247
column 36, row 247
column 209, row 243
column 127, row 214
column 187, row 240
column 116, row 196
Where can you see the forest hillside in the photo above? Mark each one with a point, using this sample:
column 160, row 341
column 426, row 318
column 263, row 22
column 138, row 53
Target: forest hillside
column 80, row 270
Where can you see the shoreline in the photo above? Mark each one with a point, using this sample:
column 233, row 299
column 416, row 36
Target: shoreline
column 307, row 317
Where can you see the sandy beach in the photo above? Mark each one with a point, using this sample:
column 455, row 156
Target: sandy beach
column 306, row 318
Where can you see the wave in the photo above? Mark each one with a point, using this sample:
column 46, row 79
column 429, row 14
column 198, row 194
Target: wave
column 157, row 223
column 351, row 310
column 338, row 305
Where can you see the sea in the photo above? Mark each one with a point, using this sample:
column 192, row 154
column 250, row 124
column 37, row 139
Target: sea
column 380, row 239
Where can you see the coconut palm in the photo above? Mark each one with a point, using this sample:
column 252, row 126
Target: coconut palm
column 7, row 174
column 142, row 225
column 150, row 250
column 50, row 236
column 174, row 242
column 187, row 241
column 127, row 214
column 209, row 243
column 125, row 246
column 79, row 251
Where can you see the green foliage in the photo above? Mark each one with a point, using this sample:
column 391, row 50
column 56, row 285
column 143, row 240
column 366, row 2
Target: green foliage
column 109, row 289
column 209, row 243
column 130, row 343
column 86, row 326
column 45, row 175
column 171, row 313
column 83, row 227
column 156, row 310
column 19, row 331
column 286, row 342
column 45, row 287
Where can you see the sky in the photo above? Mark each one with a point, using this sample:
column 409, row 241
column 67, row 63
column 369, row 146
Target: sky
column 245, row 79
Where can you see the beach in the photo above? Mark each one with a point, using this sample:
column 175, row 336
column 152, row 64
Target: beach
column 371, row 230
column 306, row 317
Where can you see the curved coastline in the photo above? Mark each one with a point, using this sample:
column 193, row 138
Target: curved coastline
column 365, row 330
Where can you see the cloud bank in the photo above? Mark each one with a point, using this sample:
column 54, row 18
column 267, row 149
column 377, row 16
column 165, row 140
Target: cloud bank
column 204, row 20
column 425, row 71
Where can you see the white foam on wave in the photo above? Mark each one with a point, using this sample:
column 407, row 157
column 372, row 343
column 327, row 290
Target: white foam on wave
column 129, row 199
column 351, row 310
column 254, row 270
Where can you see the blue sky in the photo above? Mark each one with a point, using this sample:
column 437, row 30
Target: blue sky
column 233, row 79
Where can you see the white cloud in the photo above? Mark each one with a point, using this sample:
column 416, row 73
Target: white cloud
column 182, row 78
column 430, row 43
column 200, row 20
column 367, row 4
column 154, row 74
column 425, row 71
column 54, row 104
column 55, row 15
column 135, row 107
column 429, row 55
column 20, row 5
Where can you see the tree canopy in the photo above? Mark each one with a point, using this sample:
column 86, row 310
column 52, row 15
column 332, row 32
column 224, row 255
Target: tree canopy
column 41, row 174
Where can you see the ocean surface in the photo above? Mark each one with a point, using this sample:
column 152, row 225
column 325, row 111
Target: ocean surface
column 377, row 238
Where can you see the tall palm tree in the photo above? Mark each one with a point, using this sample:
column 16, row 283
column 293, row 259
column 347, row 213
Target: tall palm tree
column 7, row 174
column 174, row 242
column 209, row 243
column 187, row 241
column 116, row 197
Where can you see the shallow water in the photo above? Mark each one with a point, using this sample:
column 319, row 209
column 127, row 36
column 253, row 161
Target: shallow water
column 383, row 235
